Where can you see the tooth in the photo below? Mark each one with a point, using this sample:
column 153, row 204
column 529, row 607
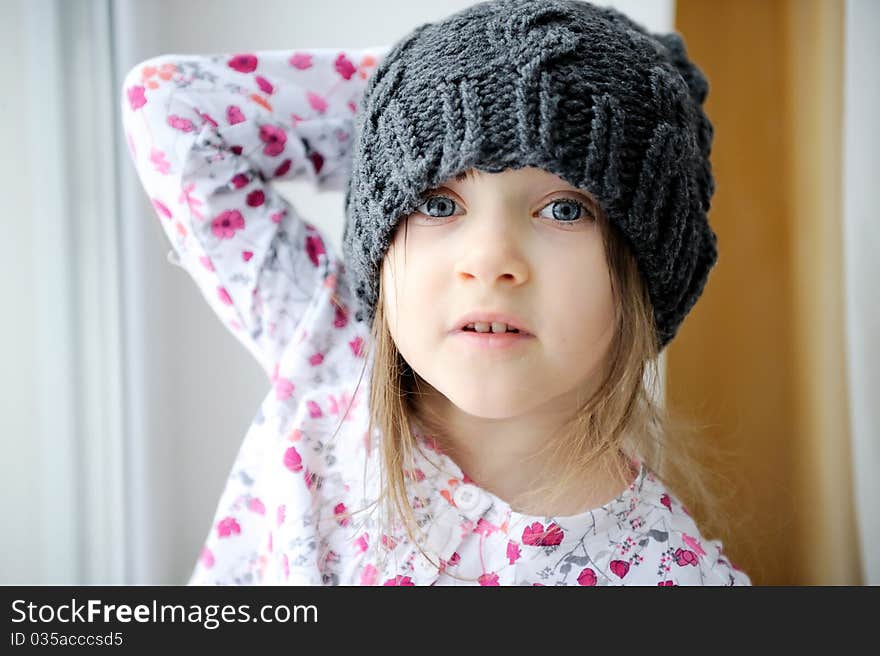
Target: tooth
column 498, row 327
column 481, row 327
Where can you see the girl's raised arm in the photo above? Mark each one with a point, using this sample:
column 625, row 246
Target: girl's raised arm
column 207, row 133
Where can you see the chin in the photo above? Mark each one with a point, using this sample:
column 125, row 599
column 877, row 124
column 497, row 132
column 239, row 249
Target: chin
column 487, row 404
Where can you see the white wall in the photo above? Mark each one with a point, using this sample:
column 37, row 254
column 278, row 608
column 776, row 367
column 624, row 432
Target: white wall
column 18, row 381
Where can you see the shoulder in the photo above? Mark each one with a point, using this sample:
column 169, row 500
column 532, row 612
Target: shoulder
column 662, row 545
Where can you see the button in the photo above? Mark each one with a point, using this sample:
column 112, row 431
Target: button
column 466, row 497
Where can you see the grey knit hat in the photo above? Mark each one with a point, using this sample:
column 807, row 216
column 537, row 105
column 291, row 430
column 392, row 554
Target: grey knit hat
column 577, row 90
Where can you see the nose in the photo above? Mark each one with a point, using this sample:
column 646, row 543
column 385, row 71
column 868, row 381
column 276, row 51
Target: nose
column 493, row 253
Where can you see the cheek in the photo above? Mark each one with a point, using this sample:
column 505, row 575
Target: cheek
column 581, row 293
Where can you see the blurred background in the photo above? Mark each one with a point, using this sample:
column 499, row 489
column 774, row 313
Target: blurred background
column 124, row 399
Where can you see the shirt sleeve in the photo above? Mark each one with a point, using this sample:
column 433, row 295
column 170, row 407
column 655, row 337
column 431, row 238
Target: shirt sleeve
column 207, row 134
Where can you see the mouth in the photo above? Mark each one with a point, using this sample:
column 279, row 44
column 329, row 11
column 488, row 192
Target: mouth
column 493, row 340
column 494, row 323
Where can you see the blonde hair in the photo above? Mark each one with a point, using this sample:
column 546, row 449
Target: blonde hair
column 621, row 423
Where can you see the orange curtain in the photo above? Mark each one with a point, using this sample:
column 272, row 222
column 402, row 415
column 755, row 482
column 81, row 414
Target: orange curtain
column 760, row 361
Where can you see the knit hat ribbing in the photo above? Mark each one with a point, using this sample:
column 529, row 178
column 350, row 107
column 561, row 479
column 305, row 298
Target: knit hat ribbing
column 577, row 90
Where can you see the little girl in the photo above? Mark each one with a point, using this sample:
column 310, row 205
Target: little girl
column 462, row 399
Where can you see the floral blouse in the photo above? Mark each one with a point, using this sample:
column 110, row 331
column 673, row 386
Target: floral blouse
column 207, row 134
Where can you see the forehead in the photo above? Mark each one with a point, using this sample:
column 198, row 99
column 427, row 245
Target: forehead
column 527, row 174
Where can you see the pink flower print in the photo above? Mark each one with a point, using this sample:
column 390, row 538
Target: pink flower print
column 279, row 515
column 292, row 459
column 226, row 223
column 341, row 514
column 300, row 60
column 357, row 347
column 136, row 97
column 206, row 118
column 316, row 359
column 317, row 102
column 277, row 216
column 310, row 478
column 489, row 578
column 554, row 536
column 161, row 208
column 317, row 160
column 368, row 575
column 207, row 557
column 665, row 583
column 666, row 502
column 247, row 255
column 684, row 557
column 361, row 543
column 535, row 535
column 191, row 203
column 243, row 63
column 587, row 576
column 239, row 180
column 157, row 157
column 264, row 84
column 344, row 66
column 454, row 559
column 274, row 138
column 340, row 319
column 234, row 115
column 389, row 542
column 314, row 248
column 343, row 402
column 256, row 198
column 180, row 123
column 314, row 409
column 693, row 544
column 225, row 298
column 484, row 528
column 285, row 565
column 206, row 262
column 228, row 526
column 284, row 389
column 237, row 150
column 166, row 71
column 399, row 580
column 619, row 567
column 513, row 552
column 283, row 168
column 257, row 506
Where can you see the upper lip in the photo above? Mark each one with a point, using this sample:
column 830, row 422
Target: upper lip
column 482, row 316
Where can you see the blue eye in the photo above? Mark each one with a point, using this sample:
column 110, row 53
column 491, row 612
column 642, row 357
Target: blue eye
column 439, row 204
column 567, row 210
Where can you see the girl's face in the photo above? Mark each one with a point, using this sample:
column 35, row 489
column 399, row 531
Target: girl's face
column 517, row 243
